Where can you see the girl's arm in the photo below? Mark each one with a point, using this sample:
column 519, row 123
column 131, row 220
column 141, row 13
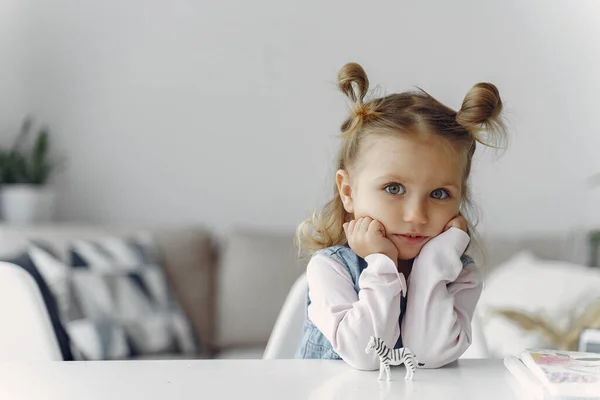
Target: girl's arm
column 346, row 319
column 442, row 295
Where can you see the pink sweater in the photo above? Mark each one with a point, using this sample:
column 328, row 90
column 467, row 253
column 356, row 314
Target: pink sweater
column 441, row 301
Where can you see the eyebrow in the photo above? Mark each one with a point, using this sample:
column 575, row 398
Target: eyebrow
column 399, row 180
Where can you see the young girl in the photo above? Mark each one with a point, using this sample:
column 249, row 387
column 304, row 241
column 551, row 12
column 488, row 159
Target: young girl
column 388, row 250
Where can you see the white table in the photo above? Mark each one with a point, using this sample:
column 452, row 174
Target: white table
column 252, row 379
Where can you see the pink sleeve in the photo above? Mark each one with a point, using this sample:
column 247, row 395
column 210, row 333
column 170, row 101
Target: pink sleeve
column 346, row 319
column 441, row 301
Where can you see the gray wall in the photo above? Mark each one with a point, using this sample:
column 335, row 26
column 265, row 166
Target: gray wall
column 225, row 112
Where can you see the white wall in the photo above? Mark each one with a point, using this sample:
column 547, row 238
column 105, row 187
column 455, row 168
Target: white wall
column 224, row 112
column 14, row 49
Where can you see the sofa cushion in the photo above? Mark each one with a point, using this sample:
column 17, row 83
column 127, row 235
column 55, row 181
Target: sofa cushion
column 190, row 261
column 187, row 254
column 526, row 297
column 121, row 288
column 255, row 274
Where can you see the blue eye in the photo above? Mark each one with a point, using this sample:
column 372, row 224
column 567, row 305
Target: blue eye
column 395, row 188
column 440, row 194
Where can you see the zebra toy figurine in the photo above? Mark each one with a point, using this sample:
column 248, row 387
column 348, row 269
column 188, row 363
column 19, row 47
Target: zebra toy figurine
column 389, row 357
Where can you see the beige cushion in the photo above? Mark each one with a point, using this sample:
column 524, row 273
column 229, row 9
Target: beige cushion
column 256, row 273
column 190, row 262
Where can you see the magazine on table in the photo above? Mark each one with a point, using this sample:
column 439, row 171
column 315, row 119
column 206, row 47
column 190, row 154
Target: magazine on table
column 557, row 374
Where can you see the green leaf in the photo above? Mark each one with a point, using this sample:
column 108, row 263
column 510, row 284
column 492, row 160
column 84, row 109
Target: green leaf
column 33, row 166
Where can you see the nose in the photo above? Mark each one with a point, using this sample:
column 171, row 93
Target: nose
column 415, row 212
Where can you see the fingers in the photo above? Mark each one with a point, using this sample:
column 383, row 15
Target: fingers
column 364, row 224
column 367, row 236
column 450, row 224
column 352, row 226
column 375, row 227
column 349, row 227
column 357, row 225
column 457, row 222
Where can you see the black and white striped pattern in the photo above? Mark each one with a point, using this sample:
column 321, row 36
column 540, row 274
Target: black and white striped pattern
column 389, row 357
column 125, row 303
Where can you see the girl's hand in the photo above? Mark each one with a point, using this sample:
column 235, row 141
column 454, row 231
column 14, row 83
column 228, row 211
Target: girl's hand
column 457, row 222
column 367, row 236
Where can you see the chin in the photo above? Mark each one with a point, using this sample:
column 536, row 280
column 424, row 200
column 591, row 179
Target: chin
column 406, row 257
column 407, row 254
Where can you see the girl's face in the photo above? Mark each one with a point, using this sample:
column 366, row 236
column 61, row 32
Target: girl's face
column 411, row 184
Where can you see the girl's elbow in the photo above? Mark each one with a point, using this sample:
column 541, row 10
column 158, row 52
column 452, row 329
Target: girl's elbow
column 437, row 357
column 363, row 363
column 432, row 362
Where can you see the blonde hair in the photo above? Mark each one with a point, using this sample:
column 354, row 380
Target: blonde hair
column 477, row 121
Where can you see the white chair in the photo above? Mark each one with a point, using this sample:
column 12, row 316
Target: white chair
column 26, row 333
column 287, row 330
column 478, row 348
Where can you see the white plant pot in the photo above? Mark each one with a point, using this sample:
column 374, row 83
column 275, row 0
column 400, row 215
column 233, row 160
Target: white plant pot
column 25, row 204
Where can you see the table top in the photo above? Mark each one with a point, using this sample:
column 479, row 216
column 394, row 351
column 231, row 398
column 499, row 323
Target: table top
column 276, row 379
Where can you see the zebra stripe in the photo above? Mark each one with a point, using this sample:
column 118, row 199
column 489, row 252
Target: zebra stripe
column 399, row 356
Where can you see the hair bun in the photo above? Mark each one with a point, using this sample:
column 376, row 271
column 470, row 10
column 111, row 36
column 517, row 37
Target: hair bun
column 481, row 112
column 353, row 82
column 481, row 106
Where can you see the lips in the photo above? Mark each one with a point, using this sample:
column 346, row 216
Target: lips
column 412, row 239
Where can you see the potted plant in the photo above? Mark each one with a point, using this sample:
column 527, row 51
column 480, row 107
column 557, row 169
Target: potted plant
column 25, row 196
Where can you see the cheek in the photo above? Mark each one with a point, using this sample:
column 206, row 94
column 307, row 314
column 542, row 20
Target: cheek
column 371, row 205
column 440, row 216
